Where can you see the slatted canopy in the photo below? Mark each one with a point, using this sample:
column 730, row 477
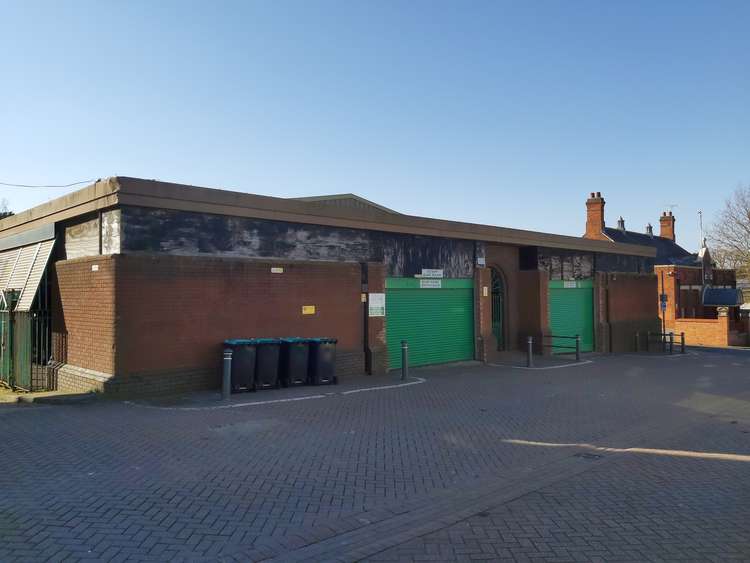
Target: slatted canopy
column 21, row 270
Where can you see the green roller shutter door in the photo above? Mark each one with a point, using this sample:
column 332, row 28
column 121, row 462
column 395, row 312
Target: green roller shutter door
column 438, row 323
column 571, row 312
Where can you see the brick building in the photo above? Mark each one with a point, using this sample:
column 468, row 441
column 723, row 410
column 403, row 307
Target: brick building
column 702, row 301
column 130, row 285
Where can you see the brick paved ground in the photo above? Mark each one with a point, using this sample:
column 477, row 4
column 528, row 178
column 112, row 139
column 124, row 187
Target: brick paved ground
column 429, row 472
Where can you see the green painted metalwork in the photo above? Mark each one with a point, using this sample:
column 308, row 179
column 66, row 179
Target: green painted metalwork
column 437, row 322
column 6, row 347
column 22, row 324
column 571, row 313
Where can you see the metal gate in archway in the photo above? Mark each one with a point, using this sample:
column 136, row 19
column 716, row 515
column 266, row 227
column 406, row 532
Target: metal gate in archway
column 498, row 308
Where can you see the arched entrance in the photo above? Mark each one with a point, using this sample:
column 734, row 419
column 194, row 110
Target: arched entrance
column 498, row 308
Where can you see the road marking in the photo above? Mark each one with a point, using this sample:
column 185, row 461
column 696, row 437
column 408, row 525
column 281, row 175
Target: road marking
column 654, row 451
column 583, row 363
column 396, row 386
column 417, row 381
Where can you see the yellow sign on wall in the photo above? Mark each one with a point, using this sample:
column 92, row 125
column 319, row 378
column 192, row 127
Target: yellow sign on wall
column 308, row 309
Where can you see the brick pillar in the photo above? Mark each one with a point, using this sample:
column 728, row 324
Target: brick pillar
column 601, row 313
column 376, row 350
column 723, row 318
column 483, row 338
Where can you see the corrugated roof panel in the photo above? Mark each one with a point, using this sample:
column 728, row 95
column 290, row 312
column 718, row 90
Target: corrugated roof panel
column 8, row 261
column 26, row 299
column 21, row 272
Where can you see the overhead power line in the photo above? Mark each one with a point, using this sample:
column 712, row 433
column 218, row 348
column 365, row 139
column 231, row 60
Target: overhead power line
column 12, row 185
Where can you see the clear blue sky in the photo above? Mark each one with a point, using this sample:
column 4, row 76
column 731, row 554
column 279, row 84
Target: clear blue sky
column 506, row 113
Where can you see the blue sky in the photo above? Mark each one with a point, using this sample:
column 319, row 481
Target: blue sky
column 507, row 113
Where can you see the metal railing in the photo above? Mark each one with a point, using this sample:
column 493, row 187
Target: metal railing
column 530, row 346
column 665, row 340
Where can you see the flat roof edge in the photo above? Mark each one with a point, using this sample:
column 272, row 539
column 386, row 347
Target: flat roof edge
column 98, row 195
column 124, row 190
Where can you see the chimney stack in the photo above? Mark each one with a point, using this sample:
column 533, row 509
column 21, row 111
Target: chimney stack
column 666, row 226
column 595, row 217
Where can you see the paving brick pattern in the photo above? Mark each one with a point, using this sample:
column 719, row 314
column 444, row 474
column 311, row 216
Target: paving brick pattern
column 639, row 508
column 111, row 481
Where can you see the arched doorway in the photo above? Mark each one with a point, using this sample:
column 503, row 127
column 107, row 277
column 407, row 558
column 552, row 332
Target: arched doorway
column 498, row 308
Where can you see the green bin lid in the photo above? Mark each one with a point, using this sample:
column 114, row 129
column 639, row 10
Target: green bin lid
column 267, row 340
column 240, row 342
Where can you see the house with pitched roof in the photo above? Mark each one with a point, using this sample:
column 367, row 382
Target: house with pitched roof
column 695, row 297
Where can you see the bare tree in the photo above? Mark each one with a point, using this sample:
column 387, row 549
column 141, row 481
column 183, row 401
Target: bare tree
column 4, row 209
column 730, row 235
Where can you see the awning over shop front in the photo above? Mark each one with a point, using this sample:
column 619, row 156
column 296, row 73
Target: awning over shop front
column 21, row 270
column 722, row 297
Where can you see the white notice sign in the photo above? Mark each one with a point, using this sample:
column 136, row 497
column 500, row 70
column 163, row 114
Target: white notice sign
column 376, row 305
column 430, row 284
column 570, row 285
column 426, row 273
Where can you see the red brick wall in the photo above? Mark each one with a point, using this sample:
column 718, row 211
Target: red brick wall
column 83, row 313
column 175, row 311
column 626, row 305
column 533, row 306
column 687, row 301
column 632, row 297
column 377, row 350
column 725, row 277
column 704, row 332
column 483, row 337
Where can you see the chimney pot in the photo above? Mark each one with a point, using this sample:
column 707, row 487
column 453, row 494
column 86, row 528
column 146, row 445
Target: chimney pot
column 598, row 194
column 621, row 223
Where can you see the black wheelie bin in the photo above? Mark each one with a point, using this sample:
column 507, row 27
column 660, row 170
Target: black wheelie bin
column 267, row 363
column 294, row 361
column 323, row 361
column 243, row 364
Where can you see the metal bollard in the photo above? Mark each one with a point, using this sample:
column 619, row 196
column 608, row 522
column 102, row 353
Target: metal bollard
column 648, row 341
column 226, row 376
column 404, row 360
column 637, row 341
column 682, row 343
column 530, row 352
column 578, row 347
column 671, row 343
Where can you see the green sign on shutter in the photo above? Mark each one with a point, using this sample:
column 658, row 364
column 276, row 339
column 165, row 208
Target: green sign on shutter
column 437, row 321
column 571, row 312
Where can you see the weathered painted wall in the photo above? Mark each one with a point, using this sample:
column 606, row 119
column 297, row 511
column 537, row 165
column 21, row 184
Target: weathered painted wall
column 91, row 235
column 82, row 239
column 197, row 234
column 111, row 231
column 574, row 265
